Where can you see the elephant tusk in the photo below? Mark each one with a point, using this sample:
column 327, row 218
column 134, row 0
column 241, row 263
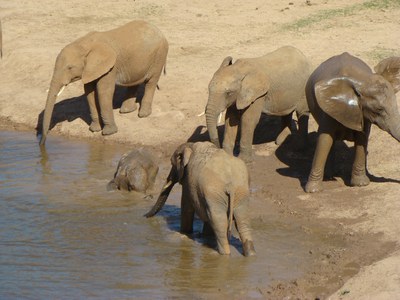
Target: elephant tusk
column 61, row 90
column 220, row 117
column 167, row 185
column 201, row 114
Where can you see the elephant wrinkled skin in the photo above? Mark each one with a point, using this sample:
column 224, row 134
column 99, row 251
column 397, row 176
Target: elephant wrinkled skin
column 272, row 84
column 129, row 55
column 345, row 97
column 215, row 186
column 136, row 171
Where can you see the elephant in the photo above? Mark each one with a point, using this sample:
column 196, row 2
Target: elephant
column 215, row 186
column 137, row 171
column 345, row 97
column 1, row 41
column 132, row 54
column 272, row 84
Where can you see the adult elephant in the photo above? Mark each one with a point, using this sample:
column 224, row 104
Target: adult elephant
column 345, row 97
column 215, row 186
column 272, row 84
column 132, row 54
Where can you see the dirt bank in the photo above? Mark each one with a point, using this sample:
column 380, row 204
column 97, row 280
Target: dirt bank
column 365, row 263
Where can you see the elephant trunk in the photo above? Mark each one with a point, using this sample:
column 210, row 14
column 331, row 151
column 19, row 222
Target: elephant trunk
column 212, row 114
column 162, row 198
column 55, row 89
column 394, row 128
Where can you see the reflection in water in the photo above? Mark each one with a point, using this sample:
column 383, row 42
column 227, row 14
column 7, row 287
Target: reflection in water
column 62, row 235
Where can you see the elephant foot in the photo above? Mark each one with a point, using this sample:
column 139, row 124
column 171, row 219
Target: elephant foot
column 109, row 129
column 313, row 186
column 359, row 180
column 248, row 248
column 144, row 112
column 128, row 106
column 95, row 127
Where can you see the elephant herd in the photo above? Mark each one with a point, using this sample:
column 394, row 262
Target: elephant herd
column 343, row 95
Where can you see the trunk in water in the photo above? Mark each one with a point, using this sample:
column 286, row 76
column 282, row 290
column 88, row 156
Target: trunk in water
column 211, row 119
column 163, row 196
column 55, row 87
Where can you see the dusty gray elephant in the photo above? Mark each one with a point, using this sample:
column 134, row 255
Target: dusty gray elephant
column 215, row 186
column 272, row 84
column 136, row 171
column 345, row 97
column 1, row 41
column 129, row 55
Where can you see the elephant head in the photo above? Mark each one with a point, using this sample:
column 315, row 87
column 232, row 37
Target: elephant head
column 237, row 84
column 88, row 58
column 179, row 161
column 372, row 96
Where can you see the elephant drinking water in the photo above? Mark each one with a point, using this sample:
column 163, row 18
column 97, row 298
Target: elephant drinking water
column 129, row 55
column 215, row 186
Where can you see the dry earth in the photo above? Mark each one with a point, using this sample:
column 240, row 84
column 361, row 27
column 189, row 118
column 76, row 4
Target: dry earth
column 201, row 34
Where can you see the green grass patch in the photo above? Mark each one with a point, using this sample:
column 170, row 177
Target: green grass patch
column 379, row 53
column 340, row 12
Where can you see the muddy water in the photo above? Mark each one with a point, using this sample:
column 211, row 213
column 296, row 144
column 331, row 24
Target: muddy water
column 62, row 235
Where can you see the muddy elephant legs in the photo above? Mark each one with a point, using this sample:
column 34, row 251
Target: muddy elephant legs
column 187, row 212
column 103, row 90
column 324, row 145
column 359, row 172
column 95, row 125
column 242, row 221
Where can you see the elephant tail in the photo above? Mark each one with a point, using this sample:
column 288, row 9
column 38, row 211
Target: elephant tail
column 230, row 212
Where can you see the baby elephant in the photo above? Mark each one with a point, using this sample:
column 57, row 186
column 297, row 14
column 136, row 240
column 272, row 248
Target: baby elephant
column 215, row 186
column 136, row 171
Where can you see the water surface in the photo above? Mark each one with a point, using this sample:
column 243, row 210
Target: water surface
column 63, row 236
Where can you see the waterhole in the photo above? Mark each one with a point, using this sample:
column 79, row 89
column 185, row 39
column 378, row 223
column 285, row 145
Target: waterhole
column 63, row 236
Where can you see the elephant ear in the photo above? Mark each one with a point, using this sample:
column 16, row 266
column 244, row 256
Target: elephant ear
column 389, row 68
column 339, row 99
column 99, row 61
column 184, row 158
column 255, row 84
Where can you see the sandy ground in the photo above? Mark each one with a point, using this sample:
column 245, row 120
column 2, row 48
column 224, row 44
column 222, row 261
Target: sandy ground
column 200, row 36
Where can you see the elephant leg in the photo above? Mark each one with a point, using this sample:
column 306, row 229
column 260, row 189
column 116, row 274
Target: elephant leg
column 129, row 104
column 242, row 221
column 359, row 172
column 94, row 113
column 286, row 123
column 324, row 144
column 149, row 90
column 152, row 174
column 219, row 223
column 232, row 119
column 250, row 118
column 187, row 212
column 105, row 93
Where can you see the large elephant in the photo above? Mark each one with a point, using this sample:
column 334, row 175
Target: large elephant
column 136, row 171
column 345, row 97
column 215, row 186
column 272, row 84
column 129, row 55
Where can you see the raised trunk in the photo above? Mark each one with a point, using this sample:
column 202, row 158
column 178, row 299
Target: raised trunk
column 212, row 114
column 163, row 195
column 55, row 87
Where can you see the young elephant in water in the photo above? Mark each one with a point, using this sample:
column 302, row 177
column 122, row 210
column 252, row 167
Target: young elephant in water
column 215, row 186
column 136, row 171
